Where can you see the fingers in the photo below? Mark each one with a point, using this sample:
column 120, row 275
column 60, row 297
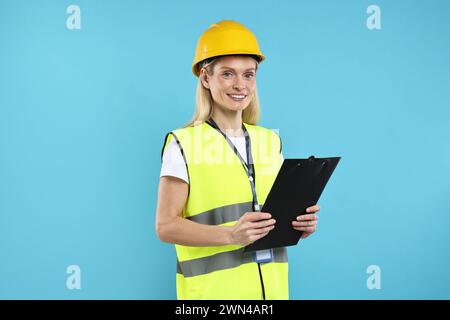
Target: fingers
column 307, row 222
column 305, row 235
column 304, row 223
column 256, row 225
column 257, row 237
column 259, row 231
column 256, row 216
column 306, row 229
column 304, row 217
column 314, row 208
column 262, row 224
column 308, row 225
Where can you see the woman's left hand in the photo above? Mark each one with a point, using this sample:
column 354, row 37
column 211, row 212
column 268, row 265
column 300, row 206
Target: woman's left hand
column 307, row 222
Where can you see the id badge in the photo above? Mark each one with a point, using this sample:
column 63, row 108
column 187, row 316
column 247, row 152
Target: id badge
column 263, row 255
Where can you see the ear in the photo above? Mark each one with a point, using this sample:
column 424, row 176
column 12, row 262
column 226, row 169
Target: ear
column 204, row 78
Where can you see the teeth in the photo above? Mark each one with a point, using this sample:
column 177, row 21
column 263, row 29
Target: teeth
column 237, row 96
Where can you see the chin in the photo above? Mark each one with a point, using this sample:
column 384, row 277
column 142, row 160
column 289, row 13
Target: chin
column 234, row 106
column 238, row 106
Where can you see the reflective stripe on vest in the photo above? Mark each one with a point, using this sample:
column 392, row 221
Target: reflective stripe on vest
column 222, row 215
column 223, row 260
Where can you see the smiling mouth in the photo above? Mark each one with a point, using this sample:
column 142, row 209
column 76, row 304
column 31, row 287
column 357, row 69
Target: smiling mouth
column 237, row 97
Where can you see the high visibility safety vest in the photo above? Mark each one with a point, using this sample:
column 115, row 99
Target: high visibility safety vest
column 219, row 194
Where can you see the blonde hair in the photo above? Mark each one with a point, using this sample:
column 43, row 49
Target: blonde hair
column 204, row 102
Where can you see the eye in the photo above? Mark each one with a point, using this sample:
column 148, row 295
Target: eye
column 227, row 74
column 249, row 76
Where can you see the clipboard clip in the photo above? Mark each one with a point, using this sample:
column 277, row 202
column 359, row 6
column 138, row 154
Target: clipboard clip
column 312, row 158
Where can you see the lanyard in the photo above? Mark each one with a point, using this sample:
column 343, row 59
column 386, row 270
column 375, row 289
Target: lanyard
column 260, row 255
column 248, row 167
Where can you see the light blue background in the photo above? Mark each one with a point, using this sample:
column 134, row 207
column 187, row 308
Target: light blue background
column 83, row 115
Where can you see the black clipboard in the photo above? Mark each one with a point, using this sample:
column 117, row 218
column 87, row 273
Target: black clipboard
column 298, row 185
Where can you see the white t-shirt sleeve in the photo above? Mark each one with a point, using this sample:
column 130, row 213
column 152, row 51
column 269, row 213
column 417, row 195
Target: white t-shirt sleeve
column 173, row 162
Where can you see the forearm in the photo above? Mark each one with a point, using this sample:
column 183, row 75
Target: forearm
column 189, row 233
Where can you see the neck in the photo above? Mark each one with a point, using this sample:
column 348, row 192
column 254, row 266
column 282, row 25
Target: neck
column 230, row 122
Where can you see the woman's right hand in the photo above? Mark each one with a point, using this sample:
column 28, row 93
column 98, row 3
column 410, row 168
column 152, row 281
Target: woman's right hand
column 250, row 227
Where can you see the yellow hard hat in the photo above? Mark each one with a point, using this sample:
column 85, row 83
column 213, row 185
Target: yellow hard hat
column 224, row 38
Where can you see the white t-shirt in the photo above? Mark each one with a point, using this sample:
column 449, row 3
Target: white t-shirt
column 173, row 162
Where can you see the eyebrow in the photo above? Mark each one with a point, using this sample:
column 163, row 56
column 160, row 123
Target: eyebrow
column 225, row 67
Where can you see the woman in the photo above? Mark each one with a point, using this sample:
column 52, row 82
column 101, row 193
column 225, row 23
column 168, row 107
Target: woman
column 215, row 177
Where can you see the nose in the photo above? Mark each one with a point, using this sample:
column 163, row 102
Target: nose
column 239, row 84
